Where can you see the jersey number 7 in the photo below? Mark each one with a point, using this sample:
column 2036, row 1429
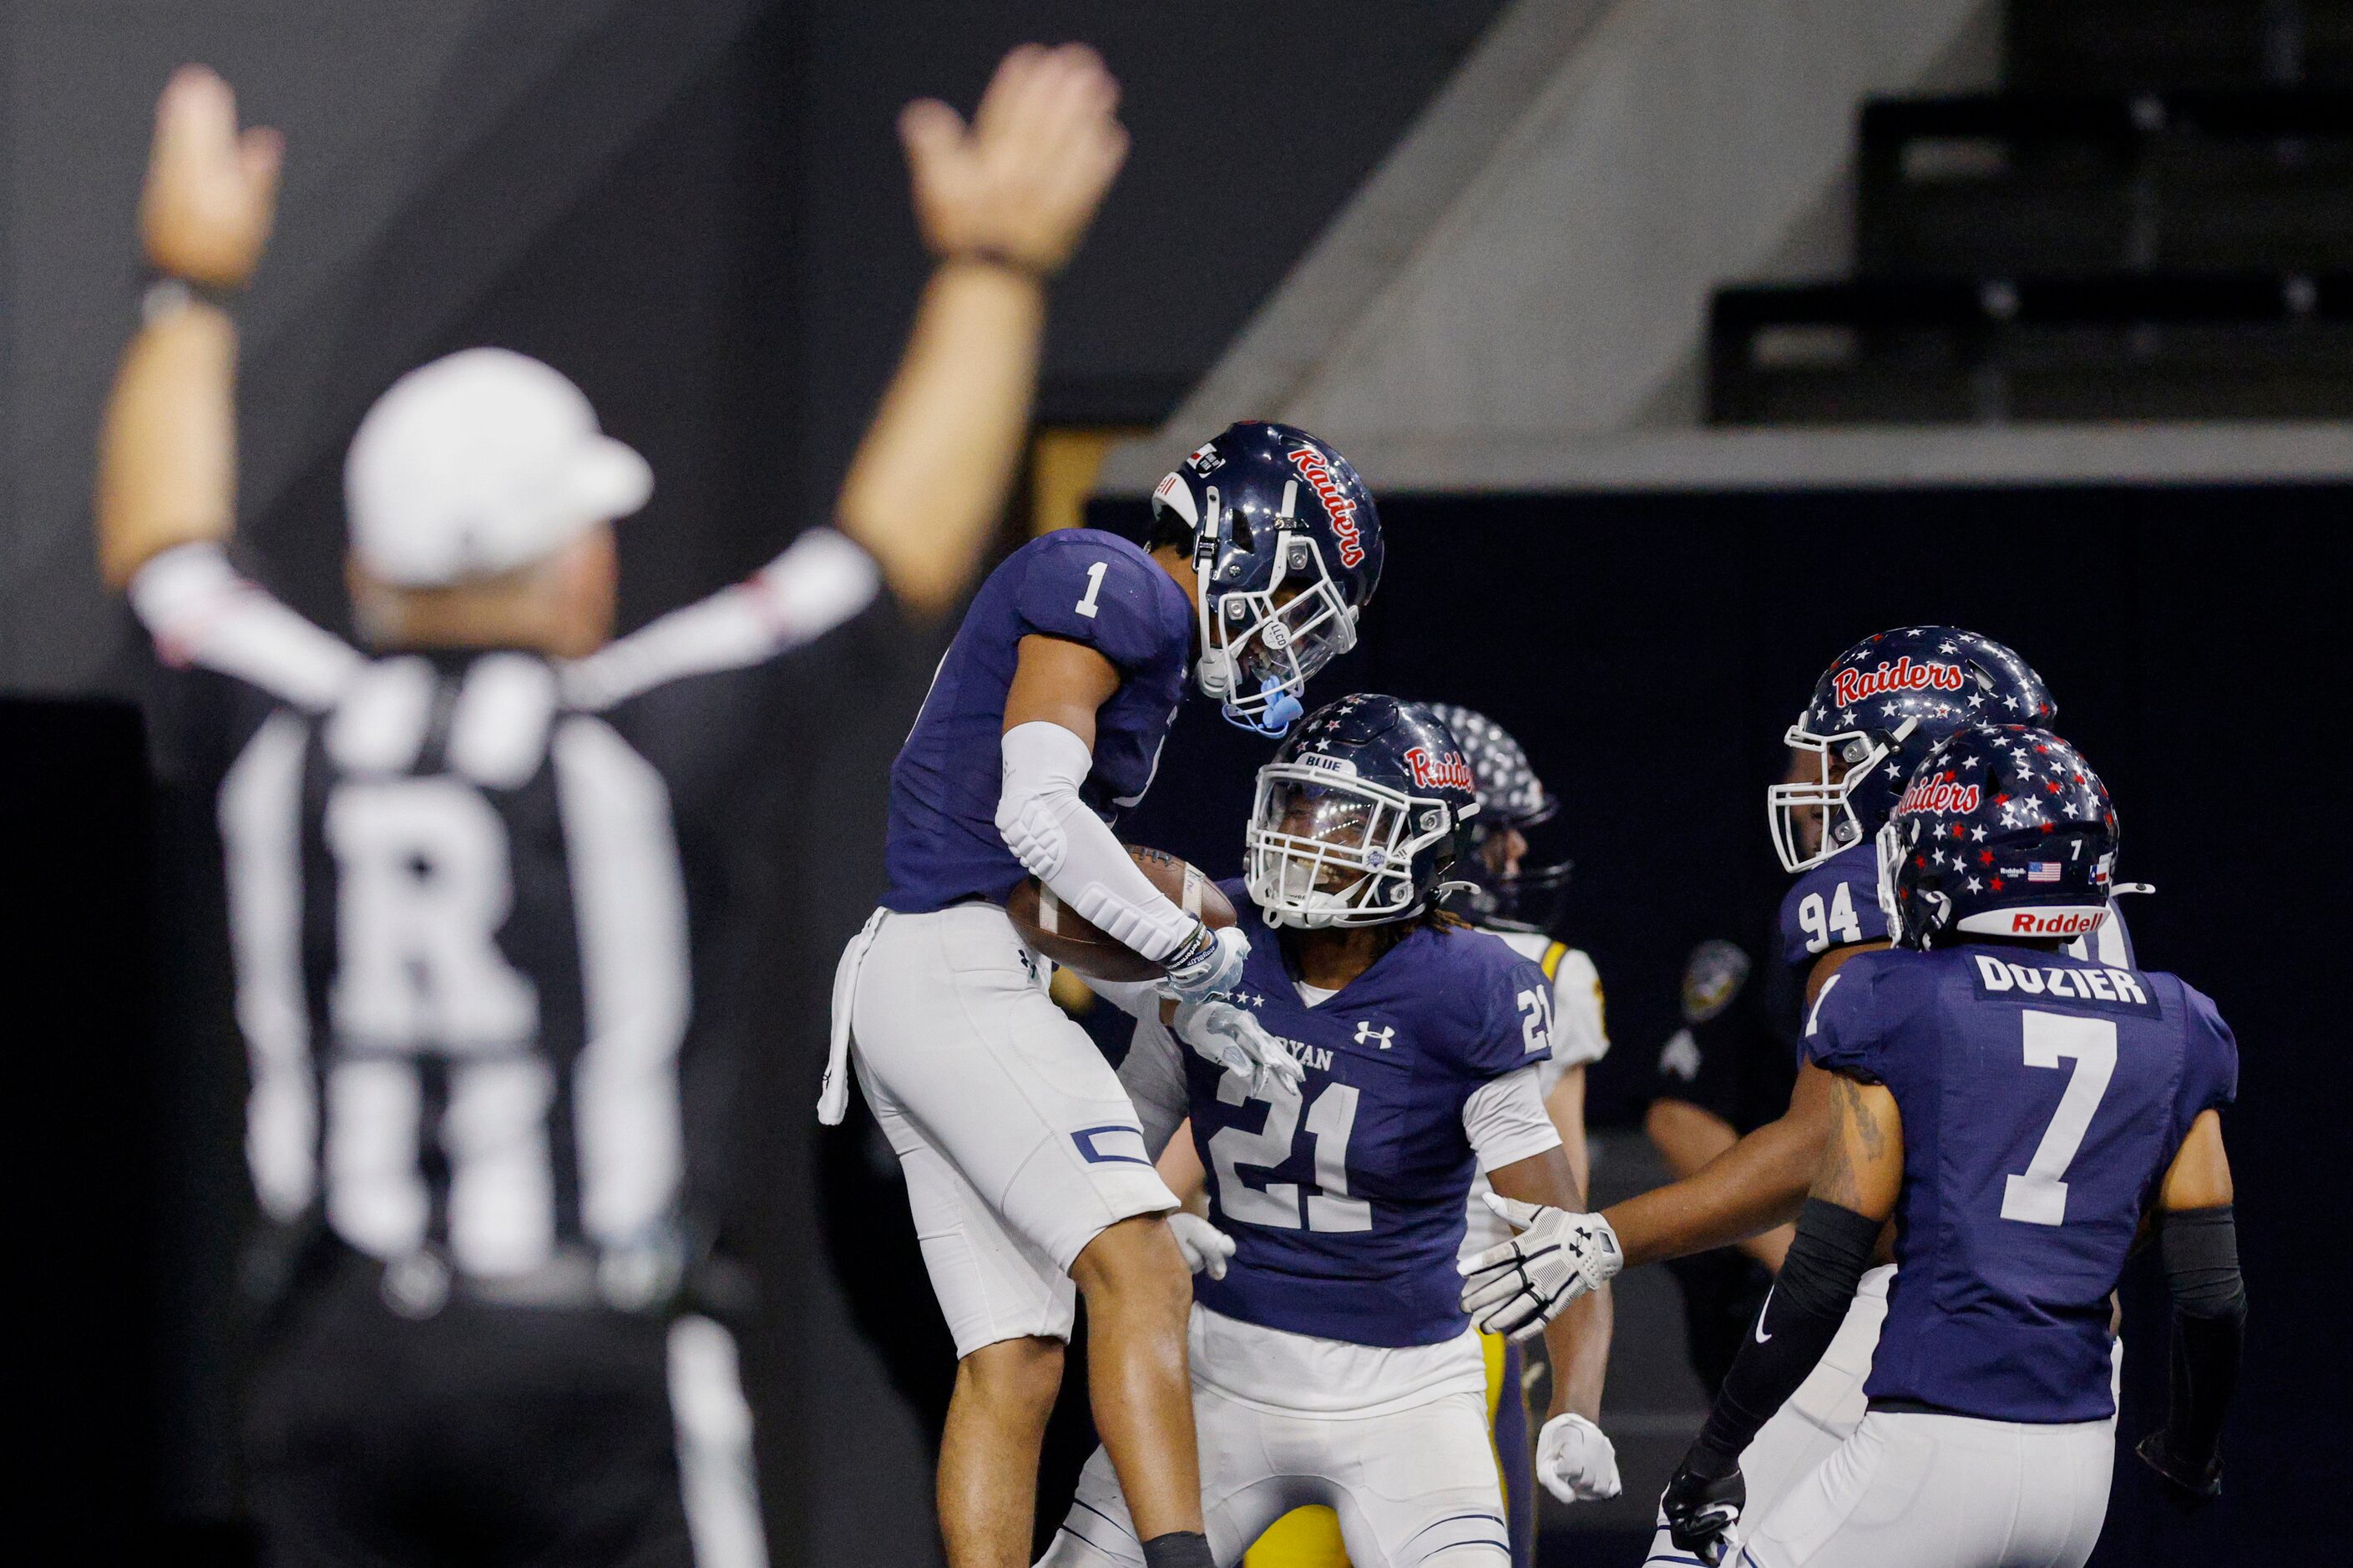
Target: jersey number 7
column 2038, row 1195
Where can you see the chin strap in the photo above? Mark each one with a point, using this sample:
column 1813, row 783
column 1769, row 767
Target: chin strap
column 1281, row 713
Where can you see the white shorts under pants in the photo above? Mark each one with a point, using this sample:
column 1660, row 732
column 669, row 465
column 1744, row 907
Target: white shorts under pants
column 1945, row 1491
column 1412, row 1485
column 1018, row 1145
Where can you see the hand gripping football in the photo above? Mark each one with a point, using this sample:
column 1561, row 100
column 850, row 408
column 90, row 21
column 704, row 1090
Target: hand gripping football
column 1059, row 931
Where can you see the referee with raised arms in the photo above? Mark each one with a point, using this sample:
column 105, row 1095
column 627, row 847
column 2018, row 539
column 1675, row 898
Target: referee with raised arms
column 484, row 877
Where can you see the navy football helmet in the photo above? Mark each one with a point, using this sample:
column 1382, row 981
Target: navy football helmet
column 1286, row 551
column 1511, row 799
column 1359, row 816
column 2003, row 830
column 1880, row 708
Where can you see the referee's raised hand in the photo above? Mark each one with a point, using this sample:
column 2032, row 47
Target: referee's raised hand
column 1023, row 181
column 167, row 452
column 1001, row 204
column 211, row 189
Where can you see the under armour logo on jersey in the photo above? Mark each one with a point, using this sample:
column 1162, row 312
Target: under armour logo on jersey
column 1368, row 1036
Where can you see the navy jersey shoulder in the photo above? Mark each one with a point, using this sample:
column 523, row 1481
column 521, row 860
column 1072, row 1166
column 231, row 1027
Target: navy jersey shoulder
column 1345, row 1199
column 1834, row 904
column 2043, row 1098
column 1079, row 584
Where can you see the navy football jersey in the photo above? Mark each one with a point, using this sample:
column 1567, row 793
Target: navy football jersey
column 2043, row 1096
column 1081, row 583
column 1346, row 1197
column 1834, row 904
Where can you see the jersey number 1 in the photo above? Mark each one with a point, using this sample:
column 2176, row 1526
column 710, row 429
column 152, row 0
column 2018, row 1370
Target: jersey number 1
column 2037, row 1196
column 1086, row 605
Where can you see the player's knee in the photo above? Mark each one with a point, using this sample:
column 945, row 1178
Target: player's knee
column 1469, row 1554
column 1068, row 1551
column 1134, row 1266
column 1015, row 1378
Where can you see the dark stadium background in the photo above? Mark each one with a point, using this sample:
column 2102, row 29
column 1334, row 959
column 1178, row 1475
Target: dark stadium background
column 731, row 311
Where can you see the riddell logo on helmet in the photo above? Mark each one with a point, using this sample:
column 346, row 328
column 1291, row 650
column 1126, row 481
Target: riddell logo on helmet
column 1446, row 771
column 2026, row 922
column 1939, row 795
column 1336, row 504
column 1853, row 685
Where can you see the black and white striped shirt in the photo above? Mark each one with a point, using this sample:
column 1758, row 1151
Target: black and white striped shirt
column 472, row 896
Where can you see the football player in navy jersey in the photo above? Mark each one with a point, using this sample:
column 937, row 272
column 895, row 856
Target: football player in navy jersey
column 1880, row 707
column 1331, row 1360
column 1496, row 890
column 2019, row 1111
column 1025, row 1167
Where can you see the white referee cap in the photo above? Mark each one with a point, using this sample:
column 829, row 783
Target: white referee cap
column 477, row 464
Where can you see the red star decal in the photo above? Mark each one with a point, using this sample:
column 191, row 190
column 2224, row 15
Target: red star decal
column 1997, row 884
column 1959, row 830
column 1984, row 857
column 2049, row 826
column 2001, row 800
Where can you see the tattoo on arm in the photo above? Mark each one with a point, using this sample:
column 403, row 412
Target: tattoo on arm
column 1855, row 1173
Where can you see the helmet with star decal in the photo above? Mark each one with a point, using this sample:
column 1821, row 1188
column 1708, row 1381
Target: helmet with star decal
column 1494, row 888
column 1880, row 708
column 2002, row 831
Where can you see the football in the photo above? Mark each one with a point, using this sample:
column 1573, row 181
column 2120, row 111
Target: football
column 1079, row 945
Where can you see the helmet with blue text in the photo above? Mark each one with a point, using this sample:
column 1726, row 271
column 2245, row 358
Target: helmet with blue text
column 2004, row 831
column 1286, row 551
column 1880, row 708
column 1360, row 814
column 1495, row 889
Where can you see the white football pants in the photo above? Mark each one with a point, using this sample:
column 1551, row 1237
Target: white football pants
column 1945, row 1491
column 1411, row 1487
column 1019, row 1145
column 1824, row 1413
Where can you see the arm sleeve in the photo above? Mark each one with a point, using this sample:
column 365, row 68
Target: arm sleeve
column 1063, row 844
column 1153, row 1077
column 1801, row 1317
column 819, row 581
column 2200, row 1249
column 1505, row 1120
column 203, row 615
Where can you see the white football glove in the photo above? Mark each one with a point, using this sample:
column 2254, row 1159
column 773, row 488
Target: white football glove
column 1205, row 1247
column 1517, row 1287
column 1232, row 1037
column 1576, row 1462
column 1209, row 962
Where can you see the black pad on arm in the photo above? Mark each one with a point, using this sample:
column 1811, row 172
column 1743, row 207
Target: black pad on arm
column 1802, row 1313
column 2200, row 1250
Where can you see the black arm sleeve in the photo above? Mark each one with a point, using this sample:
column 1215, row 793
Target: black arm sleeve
column 2201, row 1251
column 1808, row 1302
